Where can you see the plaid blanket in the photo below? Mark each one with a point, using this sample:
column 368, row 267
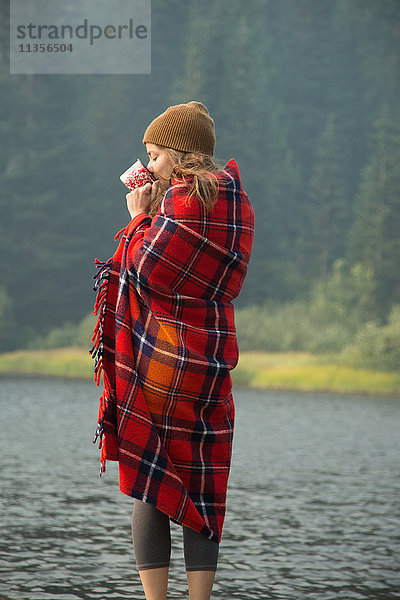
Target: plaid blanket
column 165, row 342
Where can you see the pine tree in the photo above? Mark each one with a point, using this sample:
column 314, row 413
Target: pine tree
column 325, row 223
column 375, row 236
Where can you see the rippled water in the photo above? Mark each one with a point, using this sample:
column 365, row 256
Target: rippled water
column 313, row 506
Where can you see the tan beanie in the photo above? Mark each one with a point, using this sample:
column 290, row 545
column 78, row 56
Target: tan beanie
column 186, row 127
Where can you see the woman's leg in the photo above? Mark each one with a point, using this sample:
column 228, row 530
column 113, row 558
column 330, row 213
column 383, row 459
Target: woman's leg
column 201, row 558
column 200, row 584
column 152, row 546
column 155, row 583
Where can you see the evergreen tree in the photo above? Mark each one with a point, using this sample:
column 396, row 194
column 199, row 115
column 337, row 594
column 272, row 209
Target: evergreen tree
column 375, row 29
column 325, row 222
column 375, row 236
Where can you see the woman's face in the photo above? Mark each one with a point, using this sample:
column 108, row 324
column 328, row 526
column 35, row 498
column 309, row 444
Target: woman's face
column 160, row 163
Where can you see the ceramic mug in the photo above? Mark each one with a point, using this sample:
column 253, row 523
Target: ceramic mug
column 137, row 175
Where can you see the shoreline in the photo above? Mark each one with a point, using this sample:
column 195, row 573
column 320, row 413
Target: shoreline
column 270, row 371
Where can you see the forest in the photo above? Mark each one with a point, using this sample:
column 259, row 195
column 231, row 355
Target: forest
column 305, row 96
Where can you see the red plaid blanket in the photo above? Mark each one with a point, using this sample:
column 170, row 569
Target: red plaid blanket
column 165, row 341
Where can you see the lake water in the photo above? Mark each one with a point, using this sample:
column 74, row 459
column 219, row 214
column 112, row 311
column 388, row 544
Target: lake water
column 313, row 505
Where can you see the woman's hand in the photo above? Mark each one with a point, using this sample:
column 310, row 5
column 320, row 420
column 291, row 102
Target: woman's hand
column 139, row 200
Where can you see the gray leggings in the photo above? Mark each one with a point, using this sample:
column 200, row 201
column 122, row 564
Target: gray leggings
column 152, row 541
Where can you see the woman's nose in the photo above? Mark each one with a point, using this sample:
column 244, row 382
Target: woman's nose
column 150, row 168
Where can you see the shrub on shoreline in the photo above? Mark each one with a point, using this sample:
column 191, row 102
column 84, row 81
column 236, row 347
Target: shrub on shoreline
column 374, row 346
column 293, row 327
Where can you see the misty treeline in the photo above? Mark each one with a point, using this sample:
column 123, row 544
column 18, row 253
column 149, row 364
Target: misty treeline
column 304, row 94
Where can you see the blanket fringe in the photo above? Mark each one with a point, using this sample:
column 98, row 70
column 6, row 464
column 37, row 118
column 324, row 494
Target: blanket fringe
column 119, row 233
column 101, row 282
column 99, row 433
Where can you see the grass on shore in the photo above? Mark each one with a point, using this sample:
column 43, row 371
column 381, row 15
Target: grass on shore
column 311, row 372
column 259, row 370
column 62, row 362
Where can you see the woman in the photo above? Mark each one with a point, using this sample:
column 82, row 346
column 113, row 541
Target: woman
column 165, row 341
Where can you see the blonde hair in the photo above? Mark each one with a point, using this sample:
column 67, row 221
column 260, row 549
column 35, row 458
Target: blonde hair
column 200, row 168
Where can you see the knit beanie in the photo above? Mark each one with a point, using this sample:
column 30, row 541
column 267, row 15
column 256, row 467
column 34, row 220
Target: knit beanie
column 186, row 127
